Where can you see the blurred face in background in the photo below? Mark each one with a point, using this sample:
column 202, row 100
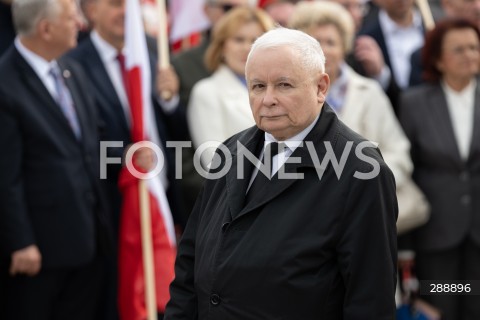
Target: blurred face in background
column 280, row 12
column 468, row 9
column 62, row 35
column 108, row 18
column 356, row 8
column 237, row 47
column 215, row 9
column 460, row 57
column 332, row 46
column 397, row 9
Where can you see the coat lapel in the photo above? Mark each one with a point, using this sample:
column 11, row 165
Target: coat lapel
column 102, row 81
column 322, row 131
column 475, row 144
column 80, row 109
column 442, row 125
column 236, row 187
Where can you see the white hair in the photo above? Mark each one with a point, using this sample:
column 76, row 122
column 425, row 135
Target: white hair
column 308, row 49
column 27, row 13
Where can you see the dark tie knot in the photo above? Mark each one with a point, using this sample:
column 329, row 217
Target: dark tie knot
column 273, row 148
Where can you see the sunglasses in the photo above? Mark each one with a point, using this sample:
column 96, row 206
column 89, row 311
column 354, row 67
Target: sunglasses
column 225, row 7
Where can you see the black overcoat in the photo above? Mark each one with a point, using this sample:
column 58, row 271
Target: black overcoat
column 315, row 248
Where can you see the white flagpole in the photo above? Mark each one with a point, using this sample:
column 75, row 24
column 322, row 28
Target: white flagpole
column 426, row 13
column 162, row 43
column 147, row 250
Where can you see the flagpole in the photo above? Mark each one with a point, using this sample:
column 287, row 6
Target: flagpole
column 147, row 250
column 162, row 43
column 426, row 13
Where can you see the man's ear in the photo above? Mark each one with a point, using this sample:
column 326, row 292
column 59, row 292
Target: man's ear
column 323, row 84
column 44, row 29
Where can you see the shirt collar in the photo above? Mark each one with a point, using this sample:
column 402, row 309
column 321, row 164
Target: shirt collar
column 106, row 51
column 41, row 66
column 295, row 141
column 390, row 27
column 467, row 91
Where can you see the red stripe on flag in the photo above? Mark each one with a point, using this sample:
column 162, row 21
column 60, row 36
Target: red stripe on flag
column 131, row 297
column 134, row 77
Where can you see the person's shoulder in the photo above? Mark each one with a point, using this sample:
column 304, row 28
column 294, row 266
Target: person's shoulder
column 7, row 58
column 204, row 86
column 243, row 137
column 363, row 82
column 72, row 65
column 190, row 54
column 81, row 49
column 413, row 96
column 364, row 154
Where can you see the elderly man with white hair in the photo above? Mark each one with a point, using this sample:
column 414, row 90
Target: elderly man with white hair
column 298, row 220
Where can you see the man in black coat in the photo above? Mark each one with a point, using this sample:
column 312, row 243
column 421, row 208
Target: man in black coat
column 53, row 220
column 314, row 241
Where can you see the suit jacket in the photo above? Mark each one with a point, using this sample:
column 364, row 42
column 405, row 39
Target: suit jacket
column 7, row 31
column 190, row 69
column 374, row 30
column 49, row 190
column 116, row 128
column 368, row 111
column 219, row 107
column 416, row 68
column 301, row 249
column 450, row 184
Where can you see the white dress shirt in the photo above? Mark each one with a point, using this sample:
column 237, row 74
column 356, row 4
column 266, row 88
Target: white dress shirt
column 291, row 144
column 109, row 54
column 461, row 108
column 41, row 66
column 401, row 42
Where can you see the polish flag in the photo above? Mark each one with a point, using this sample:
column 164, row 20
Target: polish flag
column 131, row 291
column 187, row 18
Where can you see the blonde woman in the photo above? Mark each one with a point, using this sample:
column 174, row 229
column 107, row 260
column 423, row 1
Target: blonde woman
column 219, row 105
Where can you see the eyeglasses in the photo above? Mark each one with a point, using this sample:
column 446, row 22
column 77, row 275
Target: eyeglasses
column 224, row 7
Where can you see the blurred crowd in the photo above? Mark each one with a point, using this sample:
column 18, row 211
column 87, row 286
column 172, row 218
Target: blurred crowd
column 411, row 89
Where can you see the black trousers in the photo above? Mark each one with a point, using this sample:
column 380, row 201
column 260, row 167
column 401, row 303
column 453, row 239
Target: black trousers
column 54, row 294
column 460, row 263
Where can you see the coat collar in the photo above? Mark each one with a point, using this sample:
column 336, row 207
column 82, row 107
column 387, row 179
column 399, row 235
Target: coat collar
column 326, row 129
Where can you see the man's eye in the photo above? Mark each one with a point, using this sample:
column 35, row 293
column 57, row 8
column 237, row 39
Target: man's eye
column 284, row 85
column 257, row 86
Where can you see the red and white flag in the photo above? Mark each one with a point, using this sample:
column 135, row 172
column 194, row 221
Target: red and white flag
column 187, row 18
column 131, row 290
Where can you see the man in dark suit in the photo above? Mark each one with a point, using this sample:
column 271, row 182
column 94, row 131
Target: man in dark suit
column 53, row 220
column 314, row 241
column 99, row 55
column 398, row 31
column 7, row 32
